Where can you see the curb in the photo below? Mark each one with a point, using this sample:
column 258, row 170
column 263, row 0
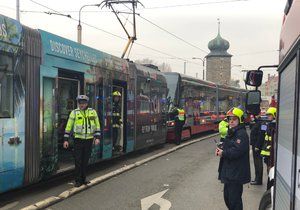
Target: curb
column 68, row 193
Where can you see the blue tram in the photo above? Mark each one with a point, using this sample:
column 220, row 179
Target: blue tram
column 40, row 76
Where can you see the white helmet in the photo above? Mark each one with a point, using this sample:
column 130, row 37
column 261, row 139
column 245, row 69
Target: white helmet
column 82, row 98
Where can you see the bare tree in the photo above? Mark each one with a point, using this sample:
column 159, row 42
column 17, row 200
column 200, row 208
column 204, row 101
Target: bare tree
column 163, row 67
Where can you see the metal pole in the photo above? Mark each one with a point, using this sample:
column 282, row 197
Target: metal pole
column 203, row 69
column 184, row 67
column 79, row 31
column 18, row 10
column 79, row 27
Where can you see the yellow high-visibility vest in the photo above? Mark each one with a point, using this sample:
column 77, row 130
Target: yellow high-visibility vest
column 223, row 128
column 181, row 114
column 85, row 124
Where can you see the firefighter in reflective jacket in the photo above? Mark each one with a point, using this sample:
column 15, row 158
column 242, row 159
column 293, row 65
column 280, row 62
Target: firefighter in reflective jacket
column 180, row 118
column 117, row 122
column 267, row 146
column 84, row 123
column 236, row 165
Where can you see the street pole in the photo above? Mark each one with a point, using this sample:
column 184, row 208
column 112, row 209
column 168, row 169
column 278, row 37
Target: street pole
column 79, row 31
column 203, row 64
column 18, row 10
column 184, row 67
column 203, row 69
column 79, row 27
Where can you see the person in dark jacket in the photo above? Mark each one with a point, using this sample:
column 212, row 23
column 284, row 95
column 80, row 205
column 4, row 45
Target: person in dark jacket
column 236, row 165
column 256, row 137
column 179, row 117
column 117, row 122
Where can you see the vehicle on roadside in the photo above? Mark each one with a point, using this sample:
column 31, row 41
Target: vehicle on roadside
column 205, row 103
column 286, row 169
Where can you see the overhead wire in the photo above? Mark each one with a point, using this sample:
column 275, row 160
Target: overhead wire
column 168, row 32
column 195, row 4
column 112, row 34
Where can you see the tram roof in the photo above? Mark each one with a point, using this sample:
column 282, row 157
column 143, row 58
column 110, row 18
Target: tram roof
column 206, row 83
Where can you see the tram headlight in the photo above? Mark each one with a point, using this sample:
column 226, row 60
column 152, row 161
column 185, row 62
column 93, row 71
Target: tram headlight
column 171, row 123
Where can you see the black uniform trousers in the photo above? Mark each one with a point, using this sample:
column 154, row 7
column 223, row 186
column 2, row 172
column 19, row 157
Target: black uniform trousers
column 258, row 165
column 233, row 196
column 115, row 135
column 82, row 153
column 178, row 132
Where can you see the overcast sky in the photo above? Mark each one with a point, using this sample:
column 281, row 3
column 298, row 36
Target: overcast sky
column 252, row 27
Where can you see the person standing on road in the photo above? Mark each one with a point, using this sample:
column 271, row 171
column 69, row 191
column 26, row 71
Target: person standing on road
column 236, row 165
column 117, row 122
column 267, row 149
column 179, row 117
column 84, row 123
column 257, row 136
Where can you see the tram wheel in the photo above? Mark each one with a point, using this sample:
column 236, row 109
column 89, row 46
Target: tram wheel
column 265, row 202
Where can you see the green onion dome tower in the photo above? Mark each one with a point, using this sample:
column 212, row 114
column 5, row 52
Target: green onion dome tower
column 218, row 61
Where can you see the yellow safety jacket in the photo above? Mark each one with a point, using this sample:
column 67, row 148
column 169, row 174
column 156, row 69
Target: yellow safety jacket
column 267, row 146
column 181, row 114
column 223, row 128
column 85, row 124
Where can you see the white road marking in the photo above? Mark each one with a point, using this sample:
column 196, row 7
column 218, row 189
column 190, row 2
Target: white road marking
column 164, row 204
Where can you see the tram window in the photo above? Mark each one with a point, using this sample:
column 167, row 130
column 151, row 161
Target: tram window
column 143, row 95
column 6, row 86
column 90, row 92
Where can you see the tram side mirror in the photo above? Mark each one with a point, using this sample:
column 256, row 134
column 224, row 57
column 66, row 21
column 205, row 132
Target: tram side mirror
column 254, row 78
column 253, row 99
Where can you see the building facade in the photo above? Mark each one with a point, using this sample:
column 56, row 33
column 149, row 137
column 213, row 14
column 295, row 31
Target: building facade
column 270, row 87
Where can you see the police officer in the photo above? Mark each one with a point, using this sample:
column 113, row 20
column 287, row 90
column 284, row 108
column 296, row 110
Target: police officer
column 116, row 121
column 236, row 166
column 84, row 124
column 256, row 136
column 267, row 146
column 179, row 117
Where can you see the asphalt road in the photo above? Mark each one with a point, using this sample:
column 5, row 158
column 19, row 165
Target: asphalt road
column 187, row 179
column 184, row 179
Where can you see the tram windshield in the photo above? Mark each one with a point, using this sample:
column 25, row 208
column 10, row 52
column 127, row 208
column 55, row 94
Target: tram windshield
column 172, row 82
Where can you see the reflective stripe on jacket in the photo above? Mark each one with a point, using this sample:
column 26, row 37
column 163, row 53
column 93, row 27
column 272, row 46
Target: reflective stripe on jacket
column 84, row 123
column 267, row 146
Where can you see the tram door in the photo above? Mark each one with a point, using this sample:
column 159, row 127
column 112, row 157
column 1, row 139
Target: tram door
column 120, row 140
column 67, row 91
